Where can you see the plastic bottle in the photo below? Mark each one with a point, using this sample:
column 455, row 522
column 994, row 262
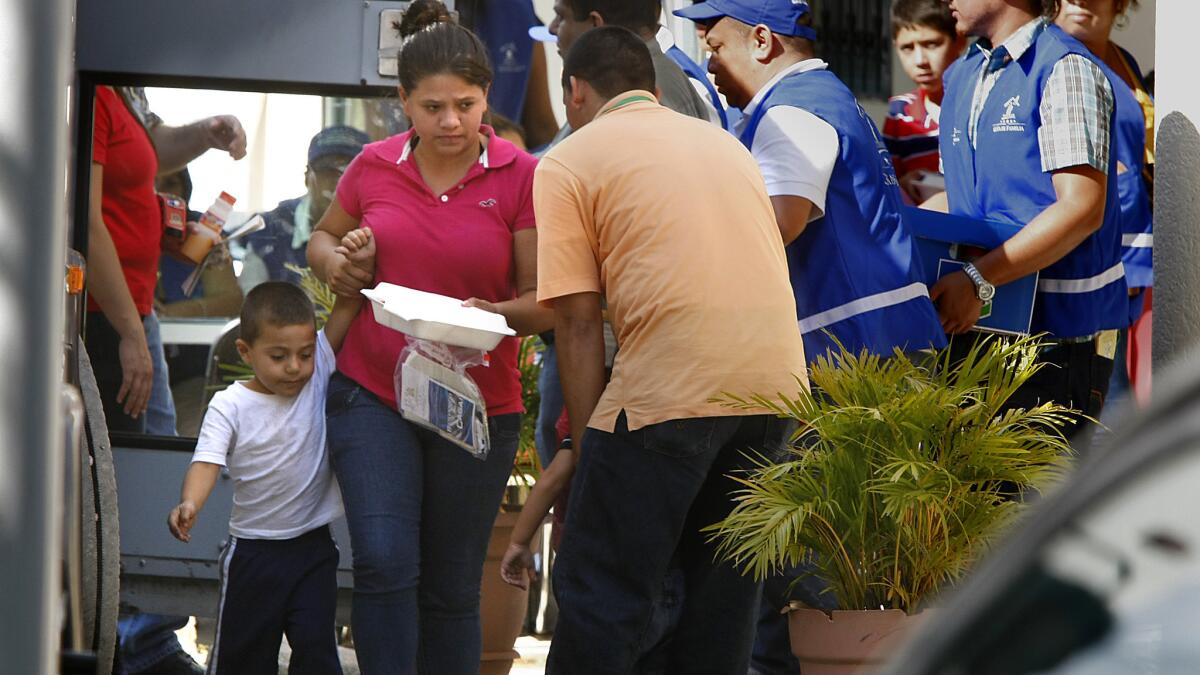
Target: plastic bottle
column 208, row 234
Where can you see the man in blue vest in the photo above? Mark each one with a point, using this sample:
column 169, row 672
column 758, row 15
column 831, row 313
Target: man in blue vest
column 830, row 178
column 837, row 203
column 1026, row 139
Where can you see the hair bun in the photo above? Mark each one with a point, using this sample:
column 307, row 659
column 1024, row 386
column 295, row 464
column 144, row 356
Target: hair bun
column 422, row 14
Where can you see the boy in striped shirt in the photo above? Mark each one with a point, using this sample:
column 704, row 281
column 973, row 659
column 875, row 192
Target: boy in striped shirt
column 926, row 43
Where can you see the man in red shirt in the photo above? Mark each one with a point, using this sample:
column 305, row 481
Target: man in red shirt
column 927, row 43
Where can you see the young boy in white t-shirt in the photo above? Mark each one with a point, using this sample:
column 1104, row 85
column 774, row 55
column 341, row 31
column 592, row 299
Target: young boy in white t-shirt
column 278, row 572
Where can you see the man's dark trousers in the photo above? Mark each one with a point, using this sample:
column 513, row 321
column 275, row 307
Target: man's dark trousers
column 639, row 501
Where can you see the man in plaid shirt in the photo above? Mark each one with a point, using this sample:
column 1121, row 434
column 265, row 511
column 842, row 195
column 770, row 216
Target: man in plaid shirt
column 1025, row 139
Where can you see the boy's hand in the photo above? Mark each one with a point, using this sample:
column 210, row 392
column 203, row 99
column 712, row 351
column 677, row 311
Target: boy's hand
column 358, row 247
column 181, row 520
column 517, row 566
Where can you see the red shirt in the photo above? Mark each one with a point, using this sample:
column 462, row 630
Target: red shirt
column 911, row 134
column 458, row 244
column 130, row 207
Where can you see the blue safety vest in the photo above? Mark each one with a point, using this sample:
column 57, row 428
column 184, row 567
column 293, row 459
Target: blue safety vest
column 1137, row 224
column 503, row 27
column 854, row 271
column 1002, row 179
column 694, row 71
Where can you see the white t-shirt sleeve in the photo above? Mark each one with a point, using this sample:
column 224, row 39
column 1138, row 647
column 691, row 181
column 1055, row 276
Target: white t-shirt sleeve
column 796, row 152
column 218, row 432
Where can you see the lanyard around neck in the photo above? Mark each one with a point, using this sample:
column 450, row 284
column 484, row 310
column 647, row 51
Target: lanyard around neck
column 628, row 101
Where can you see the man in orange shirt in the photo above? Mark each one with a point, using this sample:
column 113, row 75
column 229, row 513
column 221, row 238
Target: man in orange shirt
column 696, row 281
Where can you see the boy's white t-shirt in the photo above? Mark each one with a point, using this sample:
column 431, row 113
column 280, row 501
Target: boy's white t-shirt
column 274, row 448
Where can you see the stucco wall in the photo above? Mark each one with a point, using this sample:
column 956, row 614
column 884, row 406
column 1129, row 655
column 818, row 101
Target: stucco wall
column 1177, row 185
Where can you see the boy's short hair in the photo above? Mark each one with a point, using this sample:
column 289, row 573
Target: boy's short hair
column 611, row 60
column 503, row 125
column 275, row 303
column 934, row 14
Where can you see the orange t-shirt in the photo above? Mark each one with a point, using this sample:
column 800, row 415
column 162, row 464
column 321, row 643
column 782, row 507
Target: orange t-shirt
column 669, row 218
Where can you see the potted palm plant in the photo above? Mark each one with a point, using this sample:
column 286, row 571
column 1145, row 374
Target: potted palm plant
column 903, row 471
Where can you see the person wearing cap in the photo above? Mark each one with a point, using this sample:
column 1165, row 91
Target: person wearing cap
column 837, row 202
column 1030, row 103
column 655, row 451
column 835, row 194
column 288, row 226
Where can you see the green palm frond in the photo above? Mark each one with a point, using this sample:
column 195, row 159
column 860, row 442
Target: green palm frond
column 902, row 471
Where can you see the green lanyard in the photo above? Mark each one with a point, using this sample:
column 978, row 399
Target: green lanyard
column 626, row 101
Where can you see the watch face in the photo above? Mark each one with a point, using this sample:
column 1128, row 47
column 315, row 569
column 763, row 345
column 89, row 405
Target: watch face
column 986, row 292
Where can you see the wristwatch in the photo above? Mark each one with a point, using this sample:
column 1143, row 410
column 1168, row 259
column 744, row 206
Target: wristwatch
column 983, row 290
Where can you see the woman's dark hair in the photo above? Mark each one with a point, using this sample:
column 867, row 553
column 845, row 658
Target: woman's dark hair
column 611, row 59
column 422, row 14
column 933, row 14
column 434, row 45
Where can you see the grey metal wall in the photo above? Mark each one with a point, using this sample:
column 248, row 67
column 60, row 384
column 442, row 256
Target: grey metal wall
column 282, row 43
column 35, row 67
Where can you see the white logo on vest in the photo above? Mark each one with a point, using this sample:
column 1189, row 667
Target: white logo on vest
column 1008, row 121
column 956, row 137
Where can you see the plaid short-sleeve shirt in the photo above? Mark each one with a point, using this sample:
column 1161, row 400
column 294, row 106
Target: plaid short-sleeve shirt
column 1076, row 106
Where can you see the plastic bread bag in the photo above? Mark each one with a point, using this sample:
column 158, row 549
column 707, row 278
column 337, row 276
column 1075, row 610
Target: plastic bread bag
column 434, row 390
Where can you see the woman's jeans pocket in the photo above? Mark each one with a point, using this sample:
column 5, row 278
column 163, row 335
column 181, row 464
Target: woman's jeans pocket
column 341, row 394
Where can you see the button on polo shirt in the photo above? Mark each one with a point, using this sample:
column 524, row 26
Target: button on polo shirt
column 458, row 244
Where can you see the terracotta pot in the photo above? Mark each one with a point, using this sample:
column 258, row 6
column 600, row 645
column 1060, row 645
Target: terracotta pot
column 850, row 642
column 501, row 607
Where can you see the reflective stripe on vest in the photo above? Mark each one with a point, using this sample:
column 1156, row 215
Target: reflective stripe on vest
column 862, row 306
column 1114, row 273
column 1143, row 240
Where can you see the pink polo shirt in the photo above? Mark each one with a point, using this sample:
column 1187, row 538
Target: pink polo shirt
column 458, row 244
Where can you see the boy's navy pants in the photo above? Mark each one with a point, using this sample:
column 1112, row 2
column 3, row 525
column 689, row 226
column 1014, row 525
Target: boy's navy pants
column 270, row 588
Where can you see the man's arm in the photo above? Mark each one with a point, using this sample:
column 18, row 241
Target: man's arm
column 176, row 146
column 538, row 116
column 791, row 215
column 579, row 339
column 1055, row 232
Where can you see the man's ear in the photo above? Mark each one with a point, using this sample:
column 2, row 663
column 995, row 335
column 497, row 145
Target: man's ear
column 577, row 93
column 596, row 19
column 762, row 43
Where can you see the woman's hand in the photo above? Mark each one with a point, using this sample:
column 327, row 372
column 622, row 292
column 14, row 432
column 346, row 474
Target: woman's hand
column 349, row 273
column 516, row 569
column 486, row 306
column 137, row 373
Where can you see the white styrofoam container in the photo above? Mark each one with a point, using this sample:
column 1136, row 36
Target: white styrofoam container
column 439, row 318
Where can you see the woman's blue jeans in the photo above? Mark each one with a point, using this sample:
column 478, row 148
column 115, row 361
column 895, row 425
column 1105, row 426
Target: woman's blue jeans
column 420, row 512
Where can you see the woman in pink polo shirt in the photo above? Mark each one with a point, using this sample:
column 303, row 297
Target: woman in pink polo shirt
column 450, row 207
